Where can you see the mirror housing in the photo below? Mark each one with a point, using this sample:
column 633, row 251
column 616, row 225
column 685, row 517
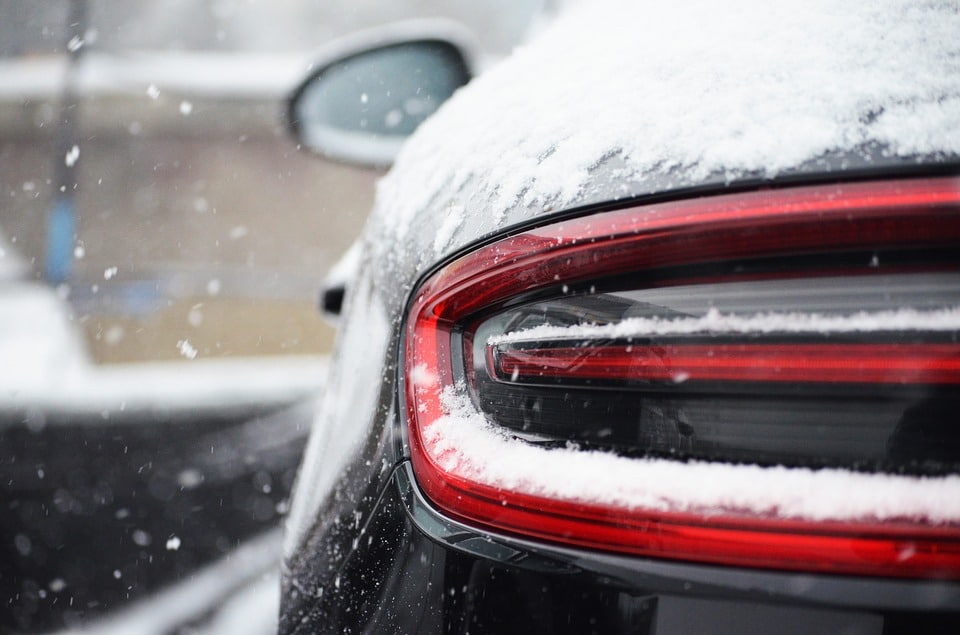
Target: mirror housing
column 362, row 103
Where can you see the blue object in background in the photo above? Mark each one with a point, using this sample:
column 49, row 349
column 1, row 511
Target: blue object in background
column 61, row 224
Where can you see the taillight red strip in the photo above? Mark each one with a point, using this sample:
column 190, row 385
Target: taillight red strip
column 900, row 214
column 920, row 213
column 833, row 363
column 897, row 549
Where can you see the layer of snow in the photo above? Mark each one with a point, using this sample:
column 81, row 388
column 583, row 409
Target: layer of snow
column 716, row 322
column 686, row 90
column 463, row 442
column 39, row 347
column 253, row 610
column 12, row 265
column 165, row 386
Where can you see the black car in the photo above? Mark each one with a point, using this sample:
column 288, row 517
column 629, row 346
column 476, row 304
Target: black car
column 654, row 328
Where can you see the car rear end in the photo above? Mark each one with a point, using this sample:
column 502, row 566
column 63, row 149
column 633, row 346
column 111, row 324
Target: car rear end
column 726, row 411
column 760, row 380
column 681, row 377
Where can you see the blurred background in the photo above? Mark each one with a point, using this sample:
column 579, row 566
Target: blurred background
column 198, row 229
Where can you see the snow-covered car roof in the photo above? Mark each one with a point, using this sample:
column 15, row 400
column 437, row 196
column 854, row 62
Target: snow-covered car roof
column 621, row 98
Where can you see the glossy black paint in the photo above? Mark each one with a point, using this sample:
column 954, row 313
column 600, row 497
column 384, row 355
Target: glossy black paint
column 413, row 570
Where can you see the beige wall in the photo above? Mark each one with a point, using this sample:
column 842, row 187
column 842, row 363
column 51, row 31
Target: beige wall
column 232, row 226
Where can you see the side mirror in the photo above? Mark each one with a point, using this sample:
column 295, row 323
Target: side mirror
column 364, row 104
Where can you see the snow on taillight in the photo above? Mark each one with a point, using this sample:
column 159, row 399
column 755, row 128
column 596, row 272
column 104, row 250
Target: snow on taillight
column 764, row 379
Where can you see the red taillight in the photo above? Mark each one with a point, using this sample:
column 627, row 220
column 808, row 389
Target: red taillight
column 728, row 394
column 830, row 363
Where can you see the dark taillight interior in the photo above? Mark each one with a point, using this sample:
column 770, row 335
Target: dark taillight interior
column 800, row 371
column 806, row 328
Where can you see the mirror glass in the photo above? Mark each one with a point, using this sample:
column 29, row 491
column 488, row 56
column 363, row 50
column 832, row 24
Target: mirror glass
column 362, row 107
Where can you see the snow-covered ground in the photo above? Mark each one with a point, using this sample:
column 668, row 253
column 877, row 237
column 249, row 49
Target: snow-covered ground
column 46, row 366
column 678, row 91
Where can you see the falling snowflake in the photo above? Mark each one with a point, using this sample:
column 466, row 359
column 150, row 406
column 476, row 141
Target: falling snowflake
column 186, row 349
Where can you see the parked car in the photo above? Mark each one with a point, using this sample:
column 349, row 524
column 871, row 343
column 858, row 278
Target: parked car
column 654, row 328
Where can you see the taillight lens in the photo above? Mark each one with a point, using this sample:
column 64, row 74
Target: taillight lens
column 739, row 379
